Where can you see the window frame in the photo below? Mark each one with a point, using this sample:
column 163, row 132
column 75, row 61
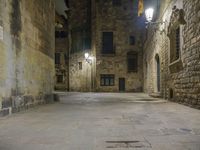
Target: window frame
column 61, row 34
column 116, row 3
column 66, row 59
column 132, row 40
column 80, row 65
column 130, row 57
column 107, row 77
column 57, row 55
column 177, row 43
column 177, row 21
column 58, row 81
column 106, row 41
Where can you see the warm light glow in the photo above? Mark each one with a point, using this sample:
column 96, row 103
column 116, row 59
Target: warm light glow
column 86, row 55
column 90, row 58
column 149, row 14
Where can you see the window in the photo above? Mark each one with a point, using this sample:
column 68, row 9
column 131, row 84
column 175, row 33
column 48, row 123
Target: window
column 81, row 40
column 116, row 2
column 107, row 80
column 107, row 43
column 177, row 20
column 77, row 44
column 57, row 34
column 63, row 34
column 177, row 42
column 80, row 65
column 60, row 34
column 174, row 33
column 57, row 58
column 59, row 78
column 66, row 59
column 87, row 42
column 132, row 62
column 67, row 3
column 132, row 40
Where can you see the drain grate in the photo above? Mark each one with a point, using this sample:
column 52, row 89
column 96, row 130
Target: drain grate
column 127, row 144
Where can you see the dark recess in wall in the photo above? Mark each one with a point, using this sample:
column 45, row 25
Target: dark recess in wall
column 15, row 25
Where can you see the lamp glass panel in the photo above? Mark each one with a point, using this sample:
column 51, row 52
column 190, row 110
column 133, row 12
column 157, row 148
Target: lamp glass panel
column 149, row 14
column 86, row 55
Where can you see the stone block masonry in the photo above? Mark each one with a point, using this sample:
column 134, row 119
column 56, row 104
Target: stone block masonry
column 26, row 54
column 61, row 55
column 120, row 21
column 180, row 79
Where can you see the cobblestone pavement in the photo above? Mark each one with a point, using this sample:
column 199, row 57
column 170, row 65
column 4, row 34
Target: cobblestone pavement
column 102, row 121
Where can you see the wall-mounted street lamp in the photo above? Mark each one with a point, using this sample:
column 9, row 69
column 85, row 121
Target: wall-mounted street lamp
column 88, row 58
column 149, row 17
column 149, row 14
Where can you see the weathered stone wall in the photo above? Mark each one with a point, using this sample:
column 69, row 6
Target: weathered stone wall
column 80, row 73
column 27, row 53
column 78, row 14
column 120, row 20
column 181, row 84
column 79, row 40
column 80, row 25
column 61, row 46
column 123, row 22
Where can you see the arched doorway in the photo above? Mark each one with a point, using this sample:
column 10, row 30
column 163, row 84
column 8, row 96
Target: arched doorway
column 157, row 72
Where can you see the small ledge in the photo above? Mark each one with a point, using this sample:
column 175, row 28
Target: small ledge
column 108, row 55
column 176, row 66
column 156, row 95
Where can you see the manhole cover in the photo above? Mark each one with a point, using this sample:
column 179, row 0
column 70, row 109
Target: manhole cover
column 127, row 144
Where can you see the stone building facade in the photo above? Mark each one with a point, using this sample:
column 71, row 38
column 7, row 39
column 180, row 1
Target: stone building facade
column 122, row 28
column 61, row 54
column 111, row 33
column 79, row 42
column 26, row 53
column 172, row 53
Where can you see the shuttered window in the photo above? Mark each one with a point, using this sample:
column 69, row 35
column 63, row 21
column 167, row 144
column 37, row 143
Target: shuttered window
column 132, row 62
column 57, row 58
column 107, row 43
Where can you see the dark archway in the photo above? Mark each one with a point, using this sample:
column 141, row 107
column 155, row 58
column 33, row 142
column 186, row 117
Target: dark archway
column 157, row 58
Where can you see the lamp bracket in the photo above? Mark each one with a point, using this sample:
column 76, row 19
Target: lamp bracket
column 88, row 60
column 155, row 23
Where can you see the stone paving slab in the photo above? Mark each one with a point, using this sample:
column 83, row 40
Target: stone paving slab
column 93, row 121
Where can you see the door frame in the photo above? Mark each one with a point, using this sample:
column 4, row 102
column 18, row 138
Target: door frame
column 158, row 81
column 122, row 80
